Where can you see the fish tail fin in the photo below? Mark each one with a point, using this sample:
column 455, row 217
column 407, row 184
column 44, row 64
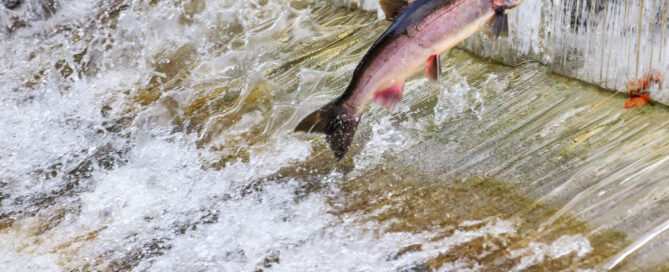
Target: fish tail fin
column 336, row 122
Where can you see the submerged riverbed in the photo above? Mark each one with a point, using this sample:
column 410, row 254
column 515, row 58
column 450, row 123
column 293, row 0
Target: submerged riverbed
column 156, row 135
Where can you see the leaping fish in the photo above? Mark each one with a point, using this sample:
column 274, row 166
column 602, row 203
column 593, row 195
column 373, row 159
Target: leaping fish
column 420, row 32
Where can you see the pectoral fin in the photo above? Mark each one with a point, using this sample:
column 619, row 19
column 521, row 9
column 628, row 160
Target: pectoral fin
column 433, row 68
column 393, row 8
column 498, row 25
column 390, row 96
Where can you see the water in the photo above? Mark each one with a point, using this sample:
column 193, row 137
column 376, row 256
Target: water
column 155, row 135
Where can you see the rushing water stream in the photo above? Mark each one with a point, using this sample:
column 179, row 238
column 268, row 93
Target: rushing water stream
column 156, row 136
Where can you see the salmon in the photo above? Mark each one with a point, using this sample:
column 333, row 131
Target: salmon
column 420, row 32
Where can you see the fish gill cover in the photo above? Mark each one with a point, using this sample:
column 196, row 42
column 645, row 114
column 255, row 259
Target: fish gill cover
column 155, row 135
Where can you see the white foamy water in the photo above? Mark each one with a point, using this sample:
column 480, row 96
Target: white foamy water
column 101, row 172
column 537, row 253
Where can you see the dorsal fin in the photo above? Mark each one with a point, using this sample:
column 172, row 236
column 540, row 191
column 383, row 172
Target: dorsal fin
column 393, row 8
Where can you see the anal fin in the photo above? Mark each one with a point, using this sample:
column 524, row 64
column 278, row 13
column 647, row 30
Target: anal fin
column 390, row 96
column 433, row 68
column 498, row 25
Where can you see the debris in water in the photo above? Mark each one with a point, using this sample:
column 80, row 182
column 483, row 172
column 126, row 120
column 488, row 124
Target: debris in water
column 638, row 89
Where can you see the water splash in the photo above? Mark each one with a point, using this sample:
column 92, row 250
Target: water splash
column 386, row 140
column 457, row 97
column 536, row 253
